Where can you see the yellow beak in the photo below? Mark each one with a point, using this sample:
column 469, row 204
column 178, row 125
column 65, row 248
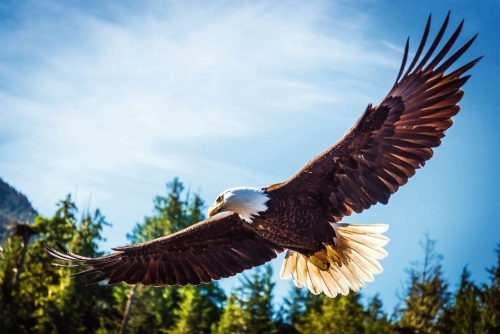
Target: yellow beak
column 213, row 210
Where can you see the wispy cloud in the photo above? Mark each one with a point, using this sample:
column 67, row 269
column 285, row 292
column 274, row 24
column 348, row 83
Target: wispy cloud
column 99, row 97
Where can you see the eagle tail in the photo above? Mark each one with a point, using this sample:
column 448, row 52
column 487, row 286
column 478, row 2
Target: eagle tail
column 353, row 261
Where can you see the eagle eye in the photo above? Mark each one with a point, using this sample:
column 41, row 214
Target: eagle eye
column 219, row 199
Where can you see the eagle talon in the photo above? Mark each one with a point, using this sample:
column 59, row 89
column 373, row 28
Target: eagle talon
column 322, row 264
column 333, row 255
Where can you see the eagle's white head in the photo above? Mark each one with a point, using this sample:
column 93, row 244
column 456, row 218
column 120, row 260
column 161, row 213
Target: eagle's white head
column 246, row 202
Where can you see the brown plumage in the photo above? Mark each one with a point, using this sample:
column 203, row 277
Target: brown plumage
column 215, row 248
column 373, row 159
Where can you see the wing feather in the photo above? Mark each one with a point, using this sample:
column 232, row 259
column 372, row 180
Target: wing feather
column 219, row 247
column 393, row 139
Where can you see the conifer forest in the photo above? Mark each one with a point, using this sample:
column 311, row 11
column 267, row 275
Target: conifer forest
column 39, row 297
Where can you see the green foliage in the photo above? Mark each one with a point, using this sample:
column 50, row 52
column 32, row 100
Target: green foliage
column 376, row 320
column 465, row 315
column 256, row 297
column 490, row 314
column 476, row 309
column 308, row 313
column 343, row 314
column 234, row 318
column 45, row 299
column 250, row 308
column 430, row 308
column 291, row 314
column 36, row 296
column 427, row 296
column 171, row 309
column 195, row 313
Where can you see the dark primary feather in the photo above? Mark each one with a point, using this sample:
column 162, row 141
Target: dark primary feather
column 219, row 247
column 391, row 140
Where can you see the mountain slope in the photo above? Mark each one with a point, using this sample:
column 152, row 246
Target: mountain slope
column 14, row 206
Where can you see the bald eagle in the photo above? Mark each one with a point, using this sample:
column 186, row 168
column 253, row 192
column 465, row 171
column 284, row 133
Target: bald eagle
column 385, row 147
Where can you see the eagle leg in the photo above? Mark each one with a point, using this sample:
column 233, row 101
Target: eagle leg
column 334, row 256
column 319, row 261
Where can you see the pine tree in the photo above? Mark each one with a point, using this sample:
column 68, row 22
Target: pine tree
column 31, row 303
column 46, row 299
column 476, row 309
column 86, row 308
column 164, row 309
column 250, row 308
column 293, row 309
column 490, row 296
column 257, row 295
column 464, row 315
column 195, row 312
column 342, row 314
column 234, row 318
column 376, row 320
column 427, row 296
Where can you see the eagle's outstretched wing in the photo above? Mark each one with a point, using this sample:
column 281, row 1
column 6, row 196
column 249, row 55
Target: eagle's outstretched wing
column 219, row 247
column 391, row 140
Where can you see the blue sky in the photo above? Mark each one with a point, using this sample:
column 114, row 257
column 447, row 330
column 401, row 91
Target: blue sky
column 112, row 100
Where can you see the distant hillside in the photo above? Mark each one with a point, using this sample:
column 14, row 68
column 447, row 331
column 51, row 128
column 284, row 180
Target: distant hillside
column 13, row 206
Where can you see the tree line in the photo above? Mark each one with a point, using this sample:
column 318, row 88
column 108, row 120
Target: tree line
column 38, row 297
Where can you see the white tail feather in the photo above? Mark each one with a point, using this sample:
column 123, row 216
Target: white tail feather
column 361, row 245
column 313, row 278
column 289, row 266
column 341, row 282
column 300, row 279
column 328, row 283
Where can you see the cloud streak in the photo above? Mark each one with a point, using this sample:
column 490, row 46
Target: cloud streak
column 96, row 96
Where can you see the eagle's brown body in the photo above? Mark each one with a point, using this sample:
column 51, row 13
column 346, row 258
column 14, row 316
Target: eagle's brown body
column 385, row 147
column 287, row 223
